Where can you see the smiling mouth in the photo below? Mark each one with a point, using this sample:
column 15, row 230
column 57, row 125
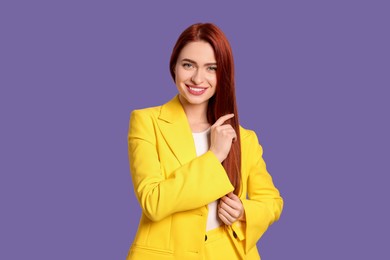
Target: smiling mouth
column 196, row 90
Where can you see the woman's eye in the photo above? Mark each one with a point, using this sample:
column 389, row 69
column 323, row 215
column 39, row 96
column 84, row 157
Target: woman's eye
column 187, row 65
column 213, row 68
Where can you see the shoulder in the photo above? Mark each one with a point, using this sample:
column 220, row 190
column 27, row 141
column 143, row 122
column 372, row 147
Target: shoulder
column 146, row 112
column 170, row 112
column 248, row 135
column 148, row 115
column 143, row 121
column 251, row 148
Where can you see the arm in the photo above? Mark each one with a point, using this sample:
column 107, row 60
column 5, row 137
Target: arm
column 190, row 186
column 264, row 204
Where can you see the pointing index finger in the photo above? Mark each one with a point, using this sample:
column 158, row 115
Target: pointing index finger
column 222, row 119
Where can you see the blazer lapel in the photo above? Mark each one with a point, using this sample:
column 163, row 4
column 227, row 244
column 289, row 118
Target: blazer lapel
column 176, row 130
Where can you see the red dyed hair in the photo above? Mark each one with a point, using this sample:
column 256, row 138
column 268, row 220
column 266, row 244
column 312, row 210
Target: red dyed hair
column 224, row 100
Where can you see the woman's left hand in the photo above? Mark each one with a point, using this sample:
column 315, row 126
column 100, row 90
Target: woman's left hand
column 230, row 209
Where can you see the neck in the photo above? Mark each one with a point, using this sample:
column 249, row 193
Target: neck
column 196, row 113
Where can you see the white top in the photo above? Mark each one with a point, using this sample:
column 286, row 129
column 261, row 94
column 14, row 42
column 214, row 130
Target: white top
column 202, row 144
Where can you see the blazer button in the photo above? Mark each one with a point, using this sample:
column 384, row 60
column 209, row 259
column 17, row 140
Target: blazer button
column 234, row 234
column 205, row 237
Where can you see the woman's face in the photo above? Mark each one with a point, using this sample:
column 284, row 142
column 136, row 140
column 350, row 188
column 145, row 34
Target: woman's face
column 195, row 73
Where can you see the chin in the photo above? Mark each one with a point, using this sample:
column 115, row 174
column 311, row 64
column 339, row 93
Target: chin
column 194, row 100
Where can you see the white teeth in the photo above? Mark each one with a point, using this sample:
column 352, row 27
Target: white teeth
column 196, row 89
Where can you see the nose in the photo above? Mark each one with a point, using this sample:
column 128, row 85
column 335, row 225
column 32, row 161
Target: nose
column 197, row 77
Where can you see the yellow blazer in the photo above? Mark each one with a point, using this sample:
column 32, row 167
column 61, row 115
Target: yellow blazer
column 174, row 187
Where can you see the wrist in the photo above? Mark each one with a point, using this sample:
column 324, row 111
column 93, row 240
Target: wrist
column 219, row 157
column 242, row 217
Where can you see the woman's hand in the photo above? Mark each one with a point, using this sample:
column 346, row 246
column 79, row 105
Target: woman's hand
column 230, row 209
column 221, row 137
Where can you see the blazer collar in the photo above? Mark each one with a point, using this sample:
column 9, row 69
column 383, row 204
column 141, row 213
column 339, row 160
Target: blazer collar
column 173, row 111
column 176, row 130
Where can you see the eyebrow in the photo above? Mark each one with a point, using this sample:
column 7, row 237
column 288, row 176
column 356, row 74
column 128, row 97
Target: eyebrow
column 192, row 61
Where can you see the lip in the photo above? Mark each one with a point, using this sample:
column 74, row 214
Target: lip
column 196, row 90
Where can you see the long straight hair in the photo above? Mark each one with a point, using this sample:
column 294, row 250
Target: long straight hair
column 224, row 100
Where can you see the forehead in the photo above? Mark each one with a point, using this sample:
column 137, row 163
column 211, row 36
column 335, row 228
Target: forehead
column 199, row 51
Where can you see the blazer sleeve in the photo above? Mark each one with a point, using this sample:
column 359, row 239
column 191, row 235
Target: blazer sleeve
column 190, row 186
column 263, row 204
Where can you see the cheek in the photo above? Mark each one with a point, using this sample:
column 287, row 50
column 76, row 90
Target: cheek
column 213, row 80
column 182, row 74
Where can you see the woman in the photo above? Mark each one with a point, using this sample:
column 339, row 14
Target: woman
column 199, row 177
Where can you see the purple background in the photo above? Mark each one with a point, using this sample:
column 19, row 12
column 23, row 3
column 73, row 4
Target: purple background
column 312, row 80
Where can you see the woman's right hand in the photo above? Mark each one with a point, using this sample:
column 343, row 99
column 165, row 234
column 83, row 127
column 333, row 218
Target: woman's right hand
column 222, row 137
